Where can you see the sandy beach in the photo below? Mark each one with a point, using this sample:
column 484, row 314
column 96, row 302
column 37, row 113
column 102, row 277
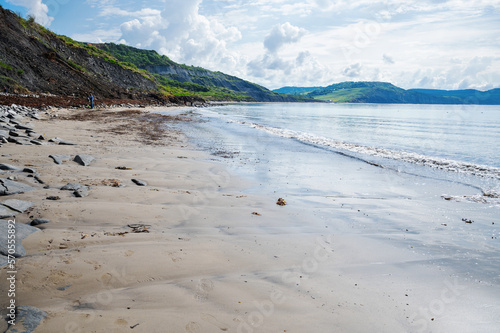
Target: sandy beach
column 210, row 256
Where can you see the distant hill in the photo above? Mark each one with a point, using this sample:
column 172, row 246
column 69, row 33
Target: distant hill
column 296, row 90
column 383, row 92
column 469, row 96
column 34, row 59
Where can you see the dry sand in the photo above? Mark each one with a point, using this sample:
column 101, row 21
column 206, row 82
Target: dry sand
column 208, row 263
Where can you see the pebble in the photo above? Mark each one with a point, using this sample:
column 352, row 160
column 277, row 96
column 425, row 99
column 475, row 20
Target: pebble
column 139, row 182
column 36, row 222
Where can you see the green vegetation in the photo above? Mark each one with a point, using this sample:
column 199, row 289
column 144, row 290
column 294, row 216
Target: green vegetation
column 343, row 95
column 8, row 67
column 138, row 57
column 76, row 66
column 13, row 84
column 173, row 87
column 383, row 92
column 301, row 91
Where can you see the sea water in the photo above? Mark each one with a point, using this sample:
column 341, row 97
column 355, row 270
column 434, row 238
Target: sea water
column 459, row 143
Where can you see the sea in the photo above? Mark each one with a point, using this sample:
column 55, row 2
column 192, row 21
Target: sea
column 456, row 143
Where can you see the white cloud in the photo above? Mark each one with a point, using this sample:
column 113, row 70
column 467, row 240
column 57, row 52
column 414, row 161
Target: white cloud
column 387, row 59
column 416, row 43
column 352, row 71
column 282, row 34
column 37, row 9
column 181, row 32
column 98, row 36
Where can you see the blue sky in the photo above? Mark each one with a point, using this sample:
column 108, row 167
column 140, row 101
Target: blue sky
column 442, row 44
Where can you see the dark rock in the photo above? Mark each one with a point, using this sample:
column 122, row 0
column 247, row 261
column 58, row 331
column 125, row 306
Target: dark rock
column 14, row 133
column 9, row 167
column 37, row 178
column 81, row 193
column 36, row 142
column 8, row 187
column 53, row 197
column 23, row 127
column 33, row 134
column 58, row 159
column 84, row 160
column 140, row 182
column 22, row 231
column 29, row 170
column 18, row 205
column 27, row 319
column 66, row 143
column 36, row 222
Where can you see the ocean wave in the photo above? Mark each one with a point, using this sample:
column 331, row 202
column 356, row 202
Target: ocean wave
column 410, row 157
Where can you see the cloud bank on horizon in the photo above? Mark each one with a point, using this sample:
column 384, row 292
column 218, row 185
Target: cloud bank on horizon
column 447, row 44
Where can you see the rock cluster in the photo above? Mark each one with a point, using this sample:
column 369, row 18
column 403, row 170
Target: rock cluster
column 12, row 130
column 15, row 179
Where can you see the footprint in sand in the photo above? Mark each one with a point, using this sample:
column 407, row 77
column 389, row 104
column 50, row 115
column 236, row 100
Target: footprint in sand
column 193, row 327
column 212, row 320
column 203, row 288
column 128, row 253
column 121, row 322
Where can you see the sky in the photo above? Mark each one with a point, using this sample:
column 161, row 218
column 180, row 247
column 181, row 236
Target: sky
column 436, row 44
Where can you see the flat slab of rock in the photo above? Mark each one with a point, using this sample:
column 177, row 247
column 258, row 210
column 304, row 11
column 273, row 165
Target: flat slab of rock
column 139, row 182
column 67, row 143
column 18, row 205
column 3, row 262
column 22, row 231
column 6, row 212
column 36, row 142
column 8, row 187
column 28, row 318
column 59, row 159
column 8, row 167
column 72, row 187
column 84, row 160
column 23, row 127
column 22, row 142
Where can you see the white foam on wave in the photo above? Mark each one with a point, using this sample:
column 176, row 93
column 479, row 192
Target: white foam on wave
column 433, row 162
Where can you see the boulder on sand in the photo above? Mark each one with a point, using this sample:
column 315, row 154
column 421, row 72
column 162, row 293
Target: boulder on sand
column 84, row 160
column 8, row 187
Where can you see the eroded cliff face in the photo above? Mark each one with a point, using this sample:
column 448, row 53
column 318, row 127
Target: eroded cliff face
column 36, row 60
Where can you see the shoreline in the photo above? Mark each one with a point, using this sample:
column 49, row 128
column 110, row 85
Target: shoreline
column 207, row 262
